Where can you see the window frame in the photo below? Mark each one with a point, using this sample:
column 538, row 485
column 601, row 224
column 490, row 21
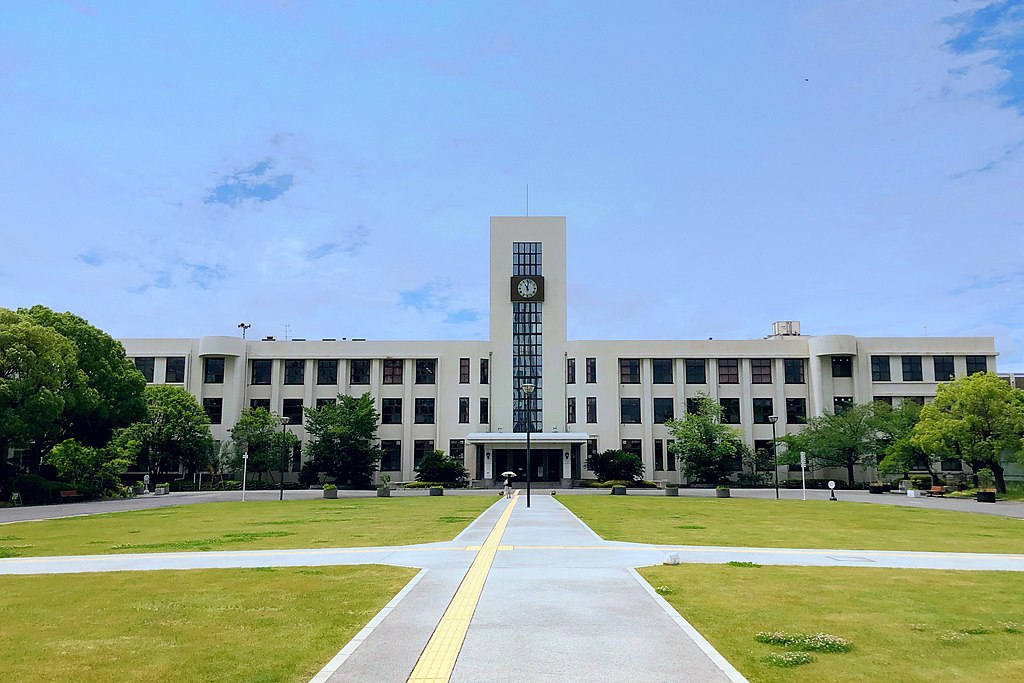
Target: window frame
column 388, row 408
column 210, row 370
column 328, row 367
column 258, row 367
column 659, row 368
column 794, row 371
column 725, row 367
column 426, row 371
column 392, row 371
column 359, row 371
column 424, row 411
column 912, row 368
column 294, row 371
column 760, row 369
column 881, row 368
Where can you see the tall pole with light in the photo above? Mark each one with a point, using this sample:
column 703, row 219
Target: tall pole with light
column 284, row 451
column 775, row 453
column 527, row 389
column 245, row 467
column 244, row 327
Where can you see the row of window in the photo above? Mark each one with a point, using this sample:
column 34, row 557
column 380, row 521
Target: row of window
column 911, row 367
column 391, row 409
column 696, row 370
column 174, row 371
column 391, row 452
column 664, row 409
column 392, row 370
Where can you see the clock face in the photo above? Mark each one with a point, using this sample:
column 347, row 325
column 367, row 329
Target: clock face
column 527, row 288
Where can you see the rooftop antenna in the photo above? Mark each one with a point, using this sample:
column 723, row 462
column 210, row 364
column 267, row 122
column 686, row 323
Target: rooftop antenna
column 287, row 331
column 926, row 330
column 244, row 327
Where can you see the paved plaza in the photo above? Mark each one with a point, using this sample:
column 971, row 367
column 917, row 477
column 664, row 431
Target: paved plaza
column 521, row 594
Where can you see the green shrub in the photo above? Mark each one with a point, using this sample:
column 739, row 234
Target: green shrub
column 330, row 487
column 818, row 642
column 591, row 484
column 618, row 465
column 433, row 484
column 438, row 467
column 37, row 490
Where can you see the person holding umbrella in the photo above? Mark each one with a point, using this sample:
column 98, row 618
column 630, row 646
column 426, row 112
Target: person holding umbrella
column 508, row 483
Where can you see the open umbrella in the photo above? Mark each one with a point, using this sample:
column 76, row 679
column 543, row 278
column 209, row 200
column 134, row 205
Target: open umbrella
column 508, row 474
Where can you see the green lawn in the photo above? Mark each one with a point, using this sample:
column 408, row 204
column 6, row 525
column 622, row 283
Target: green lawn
column 794, row 524
column 249, row 526
column 905, row 625
column 201, row 625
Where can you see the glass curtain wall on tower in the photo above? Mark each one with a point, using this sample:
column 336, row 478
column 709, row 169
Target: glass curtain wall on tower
column 527, row 337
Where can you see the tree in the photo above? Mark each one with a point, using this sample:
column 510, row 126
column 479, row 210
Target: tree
column 847, row 439
column 258, row 433
column 174, row 434
column 36, row 366
column 613, row 465
column 894, row 443
column 107, row 392
column 99, row 469
column 343, row 438
column 438, row 467
column 980, row 419
column 707, row 449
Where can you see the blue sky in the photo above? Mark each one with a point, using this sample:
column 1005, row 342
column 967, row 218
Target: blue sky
column 173, row 169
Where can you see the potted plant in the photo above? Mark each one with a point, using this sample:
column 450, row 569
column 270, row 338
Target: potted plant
column 330, row 491
column 671, row 489
column 138, row 488
column 877, row 487
column 722, row 491
column 437, row 490
column 986, row 486
column 384, row 490
column 619, row 490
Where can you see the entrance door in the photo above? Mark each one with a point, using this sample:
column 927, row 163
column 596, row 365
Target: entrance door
column 546, row 462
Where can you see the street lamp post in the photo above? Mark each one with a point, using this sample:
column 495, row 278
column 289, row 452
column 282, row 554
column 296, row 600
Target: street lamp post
column 245, row 466
column 284, row 451
column 775, row 453
column 527, row 389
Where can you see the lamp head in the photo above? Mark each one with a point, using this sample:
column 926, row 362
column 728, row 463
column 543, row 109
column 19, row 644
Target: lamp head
column 527, row 388
column 284, row 420
column 773, row 418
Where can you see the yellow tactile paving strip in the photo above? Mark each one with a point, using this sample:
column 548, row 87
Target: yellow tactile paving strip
column 437, row 661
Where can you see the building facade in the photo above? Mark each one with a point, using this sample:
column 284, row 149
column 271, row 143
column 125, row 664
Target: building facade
column 465, row 397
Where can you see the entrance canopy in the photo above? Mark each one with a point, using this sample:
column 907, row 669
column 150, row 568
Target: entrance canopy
column 518, row 439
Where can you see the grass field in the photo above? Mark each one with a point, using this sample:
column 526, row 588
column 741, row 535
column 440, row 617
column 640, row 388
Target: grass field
column 794, row 524
column 250, row 625
column 249, row 526
column 906, row 626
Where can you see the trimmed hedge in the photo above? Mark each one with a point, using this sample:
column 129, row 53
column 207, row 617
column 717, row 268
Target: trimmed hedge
column 37, row 490
column 591, row 484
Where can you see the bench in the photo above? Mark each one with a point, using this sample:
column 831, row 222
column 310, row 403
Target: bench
column 73, row 495
column 935, row 491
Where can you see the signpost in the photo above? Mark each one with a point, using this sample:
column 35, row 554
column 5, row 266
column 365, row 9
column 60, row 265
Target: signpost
column 145, row 479
column 832, row 490
column 245, row 463
column 803, row 472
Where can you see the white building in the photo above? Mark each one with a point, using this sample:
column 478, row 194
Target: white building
column 464, row 396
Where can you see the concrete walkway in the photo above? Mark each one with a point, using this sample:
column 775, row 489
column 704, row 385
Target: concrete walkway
column 554, row 601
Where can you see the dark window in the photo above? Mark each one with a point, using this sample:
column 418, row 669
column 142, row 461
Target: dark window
column 424, row 411
column 880, row 371
column 728, row 371
column 883, row 399
column 659, row 455
column 144, row 364
column 840, row 404
column 630, row 409
column 974, row 364
column 463, row 409
column 670, row 455
column 919, row 400
column 485, row 371
column 692, row 406
column 485, row 415
column 796, row 411
column 175, row 372
column 463, row 371
column 761, row 371
column 634, row 446
column 261, row 371
column 591, row 409
column 762, row 409
column 570, row 410
column 391, row 411
column 327, row 371
column 591, row 447
column 794, row 370
column 457, row 449
column 842, row 366
column 952, row 465
column 764, row 445
column 359, row 372
column 426, row 370
column 294, row 372
column 263, row 403
column 943, row 368
column 214, row 408
column 663, row 410
column 730, row 410
column 393, row 370
column 696, row 371
column 912, row 369
column 629, row 370
column 213, row 370
column 321, row 402
column 570, row 371
column 292, row 409
column 421, row 447
column 296, row 461
column 661, row 369
column 591, row 370
column 391, row 456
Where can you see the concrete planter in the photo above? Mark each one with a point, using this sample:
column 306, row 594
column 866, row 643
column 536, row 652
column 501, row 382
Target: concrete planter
column 872, row 488
column 722, row 493
column 436, row 492
column 138, row 490
column 383, row 493
column 672, row 491
column 161, row 490
column 330, row 493
column 985, row 496
column 618, row 490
